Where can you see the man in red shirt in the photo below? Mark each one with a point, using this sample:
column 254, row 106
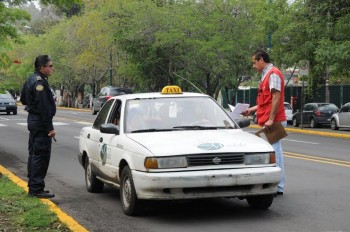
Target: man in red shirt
column 270, row 108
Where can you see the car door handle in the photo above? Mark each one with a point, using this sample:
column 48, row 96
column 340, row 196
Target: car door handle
column 101, row 139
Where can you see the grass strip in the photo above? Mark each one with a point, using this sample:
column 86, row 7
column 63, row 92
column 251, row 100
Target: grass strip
column 19, row 212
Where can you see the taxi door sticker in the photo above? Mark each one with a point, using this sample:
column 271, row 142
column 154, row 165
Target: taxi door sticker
column 103, row 153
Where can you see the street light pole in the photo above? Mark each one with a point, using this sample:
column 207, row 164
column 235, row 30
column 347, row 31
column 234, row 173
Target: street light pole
column 110, row 67
column 269, row 33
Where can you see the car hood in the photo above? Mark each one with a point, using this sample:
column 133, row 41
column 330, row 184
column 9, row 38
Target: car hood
column 194, row 142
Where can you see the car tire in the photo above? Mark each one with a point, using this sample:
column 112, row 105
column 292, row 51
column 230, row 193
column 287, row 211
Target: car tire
column 260, row 202
column 255, row 119
column 14, row 112
column 334, row 124
column 295, row 122
column 130, row 203
column 94, row 112
column 313, row 124
column 93, row 185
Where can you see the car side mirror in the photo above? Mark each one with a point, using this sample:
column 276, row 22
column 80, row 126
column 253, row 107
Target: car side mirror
column 244, row 122
column 109, row 128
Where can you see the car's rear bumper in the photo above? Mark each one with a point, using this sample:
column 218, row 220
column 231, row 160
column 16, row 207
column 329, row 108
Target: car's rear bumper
column 207, row 184
column 326, row 120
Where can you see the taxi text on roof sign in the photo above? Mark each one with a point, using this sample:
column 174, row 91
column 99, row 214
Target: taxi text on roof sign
column 171, row 89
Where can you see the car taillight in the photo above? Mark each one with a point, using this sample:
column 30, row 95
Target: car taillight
column 108, row 97
column 318, row 113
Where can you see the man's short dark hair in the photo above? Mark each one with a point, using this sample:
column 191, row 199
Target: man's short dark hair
column 262, row 54
column 41, row 60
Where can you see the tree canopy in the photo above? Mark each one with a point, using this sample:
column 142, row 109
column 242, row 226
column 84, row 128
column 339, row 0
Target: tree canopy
column 201, row 45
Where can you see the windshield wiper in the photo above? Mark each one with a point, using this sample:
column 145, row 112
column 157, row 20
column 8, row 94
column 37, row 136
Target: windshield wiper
column 196, row 127
column 150, row 130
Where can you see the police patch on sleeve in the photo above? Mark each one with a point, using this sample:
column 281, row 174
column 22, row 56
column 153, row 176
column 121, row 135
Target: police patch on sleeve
column 39, row 88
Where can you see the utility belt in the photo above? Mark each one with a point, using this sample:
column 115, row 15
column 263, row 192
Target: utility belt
column 31, row 110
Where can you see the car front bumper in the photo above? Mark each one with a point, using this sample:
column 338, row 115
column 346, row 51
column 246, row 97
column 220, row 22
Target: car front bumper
column 206, row 184
column 8, row 108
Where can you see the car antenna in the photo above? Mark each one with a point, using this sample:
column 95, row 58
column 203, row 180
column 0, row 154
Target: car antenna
column 188, row 82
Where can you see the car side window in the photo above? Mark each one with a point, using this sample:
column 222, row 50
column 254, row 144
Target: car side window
column 102, row 115
column 115, row 115
column 345, row 108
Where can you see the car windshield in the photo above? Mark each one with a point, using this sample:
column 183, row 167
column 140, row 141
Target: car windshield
column 5, row 96
column 287, row 107
column 115, row 92
column 165, row 114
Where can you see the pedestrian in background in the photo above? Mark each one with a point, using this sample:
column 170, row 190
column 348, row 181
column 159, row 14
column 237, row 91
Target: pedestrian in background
column 37, row 96
column 270, row 107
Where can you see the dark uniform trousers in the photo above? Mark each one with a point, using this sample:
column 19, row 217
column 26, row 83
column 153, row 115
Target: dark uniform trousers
column 39, row 147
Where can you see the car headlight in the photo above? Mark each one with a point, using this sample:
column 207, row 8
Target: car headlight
column 260, row 158
column 12, row 103
column 165, row 162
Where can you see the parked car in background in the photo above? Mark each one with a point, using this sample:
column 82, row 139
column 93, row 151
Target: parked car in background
column 106, row 93
column 7, row 103
column 341, row 118
column 289, row 113
column 87, row 101
column 315, row 114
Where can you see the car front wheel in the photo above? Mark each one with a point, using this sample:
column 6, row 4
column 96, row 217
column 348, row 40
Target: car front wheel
column 260, row 202
column 93, row 185
column 130, row 203
column 334, row 124
column 295, row 122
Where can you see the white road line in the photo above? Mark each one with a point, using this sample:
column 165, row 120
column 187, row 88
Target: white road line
column 4, row 119
column 298, row 141
column 77, row 137
column 2, row 124
column 54, row 123
column 85, row 123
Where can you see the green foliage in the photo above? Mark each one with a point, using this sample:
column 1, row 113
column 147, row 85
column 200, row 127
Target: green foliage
column 148, row 44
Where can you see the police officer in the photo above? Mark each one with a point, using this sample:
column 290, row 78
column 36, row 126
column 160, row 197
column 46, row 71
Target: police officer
column 37, row 96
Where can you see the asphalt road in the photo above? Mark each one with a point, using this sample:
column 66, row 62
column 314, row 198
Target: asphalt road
column 316, row 195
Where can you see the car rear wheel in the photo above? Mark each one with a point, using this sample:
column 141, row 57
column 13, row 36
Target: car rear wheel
column 93, row 185
column 313, row 124
column 130, row 203
column 295, row 122
column 334, row 124
column 260, row 202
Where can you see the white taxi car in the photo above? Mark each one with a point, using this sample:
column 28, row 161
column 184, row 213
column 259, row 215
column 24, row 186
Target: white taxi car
column 174, row 145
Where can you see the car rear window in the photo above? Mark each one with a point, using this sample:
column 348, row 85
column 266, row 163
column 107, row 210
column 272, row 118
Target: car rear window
column 328, row 107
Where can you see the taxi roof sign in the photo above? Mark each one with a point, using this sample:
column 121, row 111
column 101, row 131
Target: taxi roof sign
column 171, row 89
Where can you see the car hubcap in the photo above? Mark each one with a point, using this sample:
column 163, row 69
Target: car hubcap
column 127, row 192
column 88, row 174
